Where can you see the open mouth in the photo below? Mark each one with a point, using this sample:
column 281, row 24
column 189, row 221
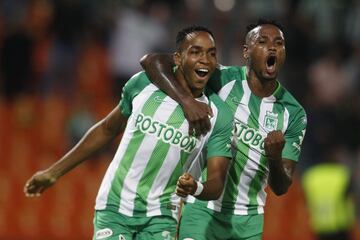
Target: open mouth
column 270, row 62
column 202, row 72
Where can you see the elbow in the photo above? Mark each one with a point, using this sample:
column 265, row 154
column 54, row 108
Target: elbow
column 281, row 190
column 209, row 195
column 212, row 196
column 216, row 194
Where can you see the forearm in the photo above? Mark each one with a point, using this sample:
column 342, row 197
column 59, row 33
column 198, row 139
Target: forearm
column 280, row 177
column 212, row 190
column 159, row 69
column 217, row 169
column 96, row 138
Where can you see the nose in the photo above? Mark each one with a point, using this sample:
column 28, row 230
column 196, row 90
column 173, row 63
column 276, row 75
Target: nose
column 204, row 58
column 272, row 47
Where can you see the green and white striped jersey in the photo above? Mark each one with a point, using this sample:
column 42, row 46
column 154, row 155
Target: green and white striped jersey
column 254, row 118
column 156, row 150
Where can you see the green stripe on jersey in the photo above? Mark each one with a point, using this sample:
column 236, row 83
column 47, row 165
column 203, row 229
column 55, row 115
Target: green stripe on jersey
column 148, row 109
column 154, row 164
column 279, row 109
column 255, row 184
column 234, row 97
column 253, row 123
column 171, row 185
column 258, row 181
column 231, row 190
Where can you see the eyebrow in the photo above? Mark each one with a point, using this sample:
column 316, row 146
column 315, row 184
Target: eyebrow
column 199, row 48
column 276, row 38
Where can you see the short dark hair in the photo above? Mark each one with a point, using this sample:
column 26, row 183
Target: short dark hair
column 181, row 35
column 261, row 22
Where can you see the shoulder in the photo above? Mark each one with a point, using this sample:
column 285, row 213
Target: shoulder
column 222, row 109
column 236, row 72
column 233, row 69
column 297, row 118
column 136, row 84
column 138, row 80
column 291, row 104
column 226, row 74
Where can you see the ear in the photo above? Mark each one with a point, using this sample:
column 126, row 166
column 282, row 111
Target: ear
column 245, row 51
column 177, row 58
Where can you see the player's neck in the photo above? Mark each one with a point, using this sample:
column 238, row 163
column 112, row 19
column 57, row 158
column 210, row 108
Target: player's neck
column 261, row 87
column 182, row 81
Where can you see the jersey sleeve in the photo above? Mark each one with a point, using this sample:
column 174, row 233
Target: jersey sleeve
column 224, row 75
column 131, row 89
column 294, row 136
column 220, row 139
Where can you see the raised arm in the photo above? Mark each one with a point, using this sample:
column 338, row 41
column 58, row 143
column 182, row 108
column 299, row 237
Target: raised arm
column 214, row 185
column 159, row 68
column 281, row 170
column 97, row 137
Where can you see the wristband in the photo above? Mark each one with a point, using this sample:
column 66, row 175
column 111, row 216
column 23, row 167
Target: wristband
column 199, row 189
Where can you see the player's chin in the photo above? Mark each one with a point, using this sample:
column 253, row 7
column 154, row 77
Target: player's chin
column 201, row 87
column 269, row 76
column 200, row 84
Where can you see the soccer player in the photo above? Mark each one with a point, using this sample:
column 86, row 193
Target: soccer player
column 137, row 199
column 269, row 125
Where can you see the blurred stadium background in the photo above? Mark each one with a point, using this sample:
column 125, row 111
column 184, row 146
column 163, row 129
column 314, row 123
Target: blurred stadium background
column 63, row 63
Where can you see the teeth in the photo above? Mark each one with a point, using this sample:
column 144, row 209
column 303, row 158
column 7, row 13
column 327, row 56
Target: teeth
column 203, row 70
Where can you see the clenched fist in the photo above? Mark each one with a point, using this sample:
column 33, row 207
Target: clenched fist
column 38, row 183
column 274, row 144
column 186, row 185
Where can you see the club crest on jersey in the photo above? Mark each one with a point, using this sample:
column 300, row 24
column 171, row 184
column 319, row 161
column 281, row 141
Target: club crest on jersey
column 271, row 121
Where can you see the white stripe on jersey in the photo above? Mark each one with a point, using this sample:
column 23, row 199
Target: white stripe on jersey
column 261, row 197
column 225, row 91
column 196, row 167
column 245, row 179
column 105, row 186
column 243, row 113
column 157, row 188
column 131, row 181
column 264, row 107
column 246, row 97
column 192, row 165
column 286, row 120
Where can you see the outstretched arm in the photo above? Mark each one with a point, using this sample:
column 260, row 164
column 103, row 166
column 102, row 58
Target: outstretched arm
column 281, row 170
column 97, row 137
column 159, row 68
column 214, row 185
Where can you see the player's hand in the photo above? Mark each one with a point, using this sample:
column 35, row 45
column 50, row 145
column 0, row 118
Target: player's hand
column 38, row 183
column 198, row 115
column 274, row 144
column 186, row 185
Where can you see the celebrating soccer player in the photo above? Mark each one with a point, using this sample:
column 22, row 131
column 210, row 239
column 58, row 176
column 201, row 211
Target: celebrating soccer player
column 269, row 127
column 140, row 194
